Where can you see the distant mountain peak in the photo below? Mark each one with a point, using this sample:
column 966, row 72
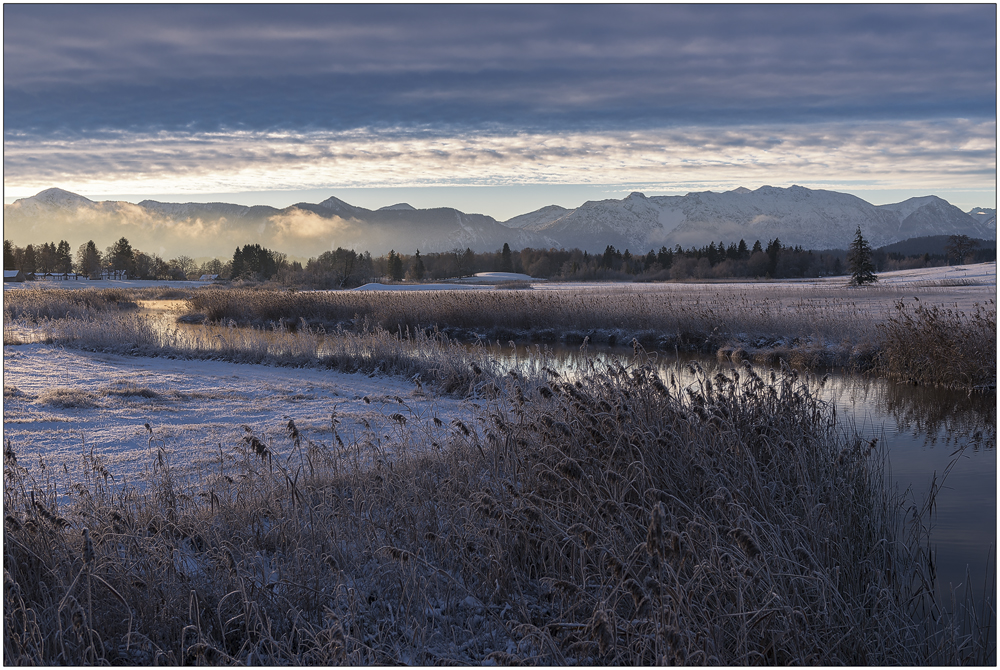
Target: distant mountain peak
column 399, row 206
column 340, row 207
column 742, row 190
column 57, row 196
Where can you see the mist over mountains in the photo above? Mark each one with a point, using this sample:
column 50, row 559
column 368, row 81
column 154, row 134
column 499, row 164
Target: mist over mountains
column 813, row 219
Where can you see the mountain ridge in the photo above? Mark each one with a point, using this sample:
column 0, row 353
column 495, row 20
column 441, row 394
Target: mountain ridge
column 798, row 216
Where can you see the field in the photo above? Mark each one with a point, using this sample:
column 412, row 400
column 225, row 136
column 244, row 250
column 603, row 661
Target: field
column 325, row 491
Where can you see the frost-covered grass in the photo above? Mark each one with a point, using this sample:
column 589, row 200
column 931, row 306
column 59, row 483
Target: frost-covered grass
column 942, row 347
column 616, row 520
column 55, row 303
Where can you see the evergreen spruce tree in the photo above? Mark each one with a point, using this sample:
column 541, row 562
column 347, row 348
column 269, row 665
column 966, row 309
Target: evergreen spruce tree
column 64, row 257
column 418, row 266
column 859, row 261
column 88, row 259
column 8, row 255
column 506, row 262
column 395, row 266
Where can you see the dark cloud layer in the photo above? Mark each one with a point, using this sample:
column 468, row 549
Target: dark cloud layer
column 77, row 69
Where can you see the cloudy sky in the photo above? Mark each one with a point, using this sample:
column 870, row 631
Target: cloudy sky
column 498, row 109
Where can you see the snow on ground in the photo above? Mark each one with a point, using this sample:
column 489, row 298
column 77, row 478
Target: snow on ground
column 418, row 287
column 196, row 406
column 497, row 277
column 976, row 274
column 960, row 287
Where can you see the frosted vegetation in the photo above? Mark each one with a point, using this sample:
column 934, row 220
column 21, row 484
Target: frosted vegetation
column 406, row 495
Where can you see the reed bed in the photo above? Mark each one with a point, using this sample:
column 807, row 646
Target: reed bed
column 620, row 519
column 51, row 303
column 675, row 317
column 932, row 345
column 809, row 328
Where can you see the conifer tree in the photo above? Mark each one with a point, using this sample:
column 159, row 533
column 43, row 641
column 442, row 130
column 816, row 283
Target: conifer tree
column 418, row 266
column 64, row 257
column 859, row 261
column 506, row 262
column 395, row 266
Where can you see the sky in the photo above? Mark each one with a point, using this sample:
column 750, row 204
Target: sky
column 497, row 109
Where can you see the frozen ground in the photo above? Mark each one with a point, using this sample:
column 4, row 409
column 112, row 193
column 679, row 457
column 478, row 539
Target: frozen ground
column 59, row 403
column 421, row 287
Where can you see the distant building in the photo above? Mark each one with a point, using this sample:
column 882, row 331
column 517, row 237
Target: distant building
column 208, row 277
column 13, row 275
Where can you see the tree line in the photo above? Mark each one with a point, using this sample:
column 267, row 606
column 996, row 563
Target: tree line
column 89, row 261
column 347, row 268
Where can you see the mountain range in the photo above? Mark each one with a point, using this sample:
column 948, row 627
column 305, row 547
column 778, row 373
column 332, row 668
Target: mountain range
column 813, row 219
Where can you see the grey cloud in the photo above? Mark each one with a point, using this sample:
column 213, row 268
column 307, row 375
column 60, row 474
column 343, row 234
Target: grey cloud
column 896, row 154
column 83, row 68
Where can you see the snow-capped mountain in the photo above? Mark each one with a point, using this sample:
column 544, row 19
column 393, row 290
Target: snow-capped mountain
column 987, row 217
column 813, row 219
column 537, row 218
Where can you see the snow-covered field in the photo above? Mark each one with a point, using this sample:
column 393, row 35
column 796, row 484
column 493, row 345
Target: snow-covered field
column 60, row 403
column 979, row 274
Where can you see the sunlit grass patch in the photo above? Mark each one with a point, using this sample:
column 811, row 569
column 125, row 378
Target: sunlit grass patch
column 125, row 388
column 68, row 398
column 49, row 303
column 11, row 391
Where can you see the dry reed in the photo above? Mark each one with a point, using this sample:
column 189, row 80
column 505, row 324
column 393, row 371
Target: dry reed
column 932, row 345
column 616, row 519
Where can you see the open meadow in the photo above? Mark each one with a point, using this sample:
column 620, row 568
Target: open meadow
column 245, row 475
